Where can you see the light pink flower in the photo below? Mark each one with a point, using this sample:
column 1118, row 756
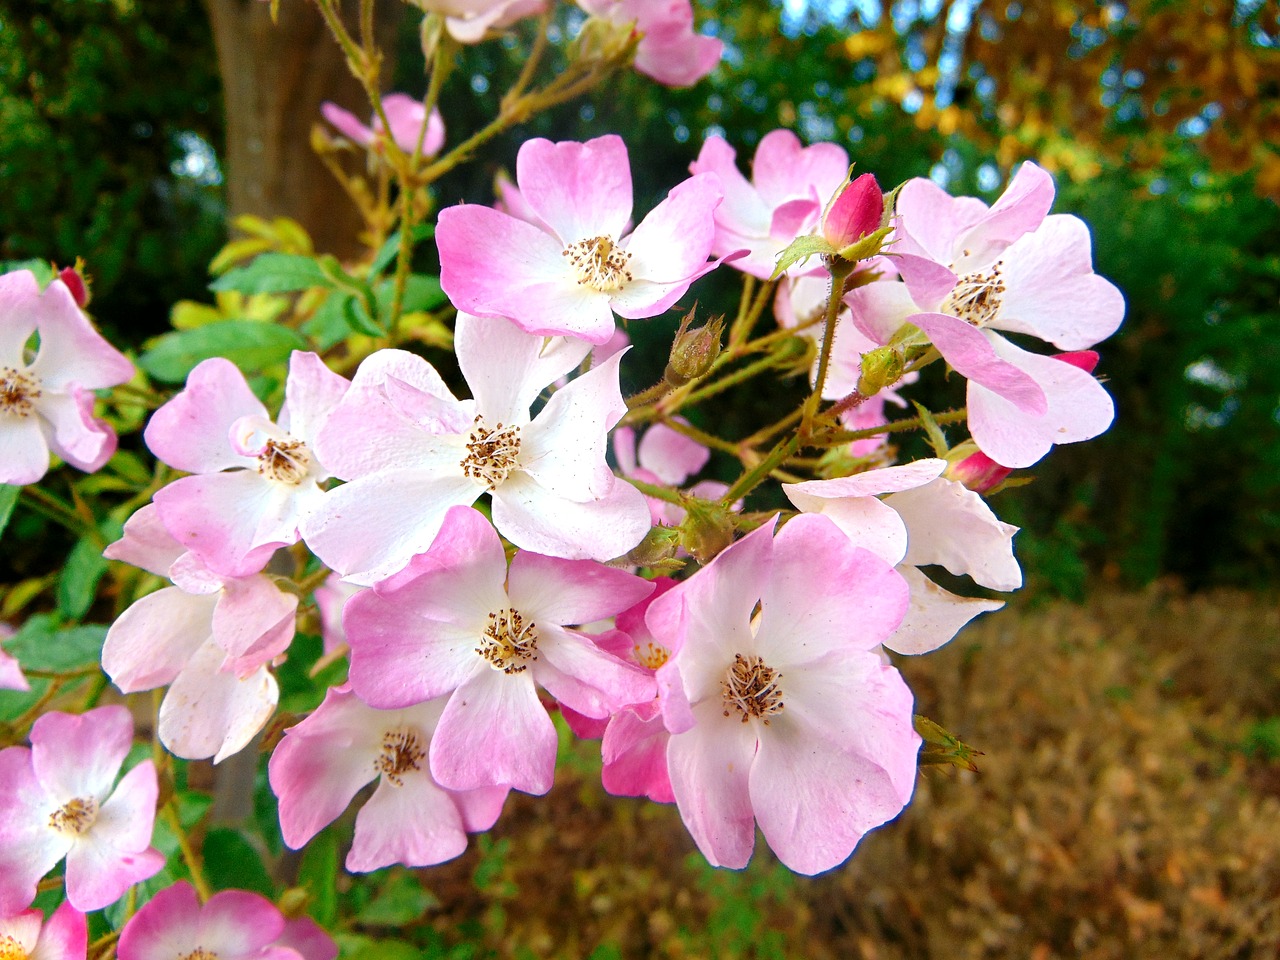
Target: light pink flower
column 669, row 50
column 456, row 624
column 911, row 516
column 56, row 801
column 970, row 270
column 788, row 717
column 46, row 404
column 410, row 451
column 572, row 272
column 664, row 456
column 789, row 185
column 469, row 21
column 324, row 761
column 255, row 481
column 404, row 113
column 308, row 939
column 209, row 637
column 64, row 937
column 233, row 925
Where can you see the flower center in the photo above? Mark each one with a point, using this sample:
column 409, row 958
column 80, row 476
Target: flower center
column 11, row 949
column 599, row 263
column 285, row 461
column 18, row 391
column 509, row 644
column 977, row 297
column 75, row 816
column 199, row 953
column 651, row 655
column 491, row 453
column 752, row 689
column 400, row 754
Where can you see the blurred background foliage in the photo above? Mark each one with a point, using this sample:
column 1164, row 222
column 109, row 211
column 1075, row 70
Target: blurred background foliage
column 1160, row 120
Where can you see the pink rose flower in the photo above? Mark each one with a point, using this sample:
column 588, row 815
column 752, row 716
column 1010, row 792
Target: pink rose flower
column 46, row 404
column 404, row 113
column 26, row 936
column 669, row 50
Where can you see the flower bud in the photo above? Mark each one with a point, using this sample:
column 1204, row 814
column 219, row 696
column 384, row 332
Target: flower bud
column 693, row 351
column 976, row 471
column 656, row 549
column 75, row 283
column 854, row 212
column 881, row 367
column 707, row 528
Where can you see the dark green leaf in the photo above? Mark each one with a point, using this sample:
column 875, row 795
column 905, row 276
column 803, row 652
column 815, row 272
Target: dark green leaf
column 8, row 497
column 231, row 862
column 421, row 292
column 319, row 875
column 392, row 247
column 42, row 645
column 329, row 325
column 358, row 318
column 249, row 345
column 401, row 900
column 78, row 581
column 273, row 273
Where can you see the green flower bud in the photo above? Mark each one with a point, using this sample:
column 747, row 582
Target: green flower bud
column 693, row 351
column 881, row 367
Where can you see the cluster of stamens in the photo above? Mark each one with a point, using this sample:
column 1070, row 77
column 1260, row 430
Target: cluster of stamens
column 11, row 949
column 509, row 644
column 977, row 297
column 199, row 953
column 285, row 461
column 599, row 263
column 491, row 454
column 400, row 754
column 752, row 689
column 75, row 816
column 18, row 392
column 651, row 655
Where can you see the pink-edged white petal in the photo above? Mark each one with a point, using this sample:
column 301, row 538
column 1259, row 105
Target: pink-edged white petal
column 191, row 431
column 580, row 190
column 210, row 711
column 115, row 854
column 234, row 521
column 71, row 350
column 574, row 670
column 880, row 309
column 149, row 644
column 415, row 823
column 934, row 616
column 571, row 591
column 79, row 755
column 72, row 431
column 254, row 619
column 26, row 451
column 670, row 455
column 672, row 242
column 29, row 848
column 312, row 392
column 20, row 313
column 146, row 543
column 536, row 518
column 973, row 355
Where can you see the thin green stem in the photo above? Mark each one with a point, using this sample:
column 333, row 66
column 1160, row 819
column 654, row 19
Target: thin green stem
column 189, row 856
column 897, row 426
column 704, row 438
column 52, row 507
column 757, row 474
column 828, row 338
column 657, row 491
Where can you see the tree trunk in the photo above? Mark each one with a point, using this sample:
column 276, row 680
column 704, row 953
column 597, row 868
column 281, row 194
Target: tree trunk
column 275, row 76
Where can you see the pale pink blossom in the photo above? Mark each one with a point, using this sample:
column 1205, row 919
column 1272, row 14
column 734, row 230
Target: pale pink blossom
column 455, row 623
column 573, row 270
column 405, row 114
column 324, row 761
column 26, row 935
column 789, row 186
column 308, row 939
column 781, row 710
column 60, row 799
column 911, row 516
column 969, row 271
column 255, row 481
column 210, row 638
column 669, row 50
column 470, row 21
column 46, row 403
column 233, row 925
column 410, row 450
column 664, row 456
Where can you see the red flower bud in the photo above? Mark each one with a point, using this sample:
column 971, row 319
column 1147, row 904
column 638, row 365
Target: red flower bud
column 1086, row 360
column 854, row 213
column 978, row 472
column 75, row 283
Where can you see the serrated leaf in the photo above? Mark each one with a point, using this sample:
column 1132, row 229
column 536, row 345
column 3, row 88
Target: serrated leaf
column 249, row 345
column 392, row 247
column 8, row 499
column 937, row 439
column 273, row 273
column 801, row 248
column 41, row 644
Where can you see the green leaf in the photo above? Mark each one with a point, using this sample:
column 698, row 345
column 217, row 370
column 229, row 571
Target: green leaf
column 421, row 292
column 801, row 248
column 42, row 645
column 329, row 325
column 319, row 875
column 358, row 319
column 937, row 439
column 8, row 498
column 356, row 947
column 273, row 273
column 400, row 900
column 41, row 268
column 78, row 581
column 392, row 247
column 249, row 345
column 231, row 862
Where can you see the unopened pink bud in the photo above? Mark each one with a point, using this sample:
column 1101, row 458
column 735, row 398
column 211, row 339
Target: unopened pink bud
column 75, row 283
column 854, row 213
column 978, row 472
column 1086, row 360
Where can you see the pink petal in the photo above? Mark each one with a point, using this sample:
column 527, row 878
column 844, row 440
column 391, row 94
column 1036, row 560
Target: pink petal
column 75, row 435
column 672, row 456
column 972, row 354
column 934, row 616
column 28, row 848
column 65, row 936
column 190, row 431
column 236, row 923
column 233, row 521
column 416, row 824
column 149, row 644
column 538, row 519
column 864, row 520
column 671, row 244
column 79, row 755
column 254, row 618
column 634, row 753
column 743, row 212
column 21, row 309
column 211, row 712
column 495, row 732
column 115, row 854
column 71, row 351
column 1019, row 210
column 564, row 592
column 577, row 672
column 580, row 190
column 11, row 676
column 931, row 220
column 146, row 543
column 927, row 281
column 311, row 392
column 783, row 169
column 307, row 938
column 346, row 124
column 671, row 52
column 880, row 309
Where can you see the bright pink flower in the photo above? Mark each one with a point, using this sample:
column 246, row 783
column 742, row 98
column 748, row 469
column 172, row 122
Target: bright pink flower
column 923, row 519
column 970, row 270
column 410, row 451
column 56, row 801
column 233, row 925
column 570, row 273
column 854, row 212
column 255, row 481
column 64, row 937
column 456, row 624
column 325, row 760
column 209, row 637
column 977, row 471
column 308, row 939
column 787, row 717
column 404, row 113
column 669, row 50
column 784, row 199
column 46, row 404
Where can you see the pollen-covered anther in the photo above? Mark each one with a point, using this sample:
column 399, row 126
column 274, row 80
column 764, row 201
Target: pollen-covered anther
column 599, row 263
column 977, row 297
column 509, row 644
column 401, row 753
column 199, row 953
column 751, row 688
column 651, row 655
column 491, row 453
column 75, row 816
column 18, row 392
column 285, row 461
column 11, row 949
